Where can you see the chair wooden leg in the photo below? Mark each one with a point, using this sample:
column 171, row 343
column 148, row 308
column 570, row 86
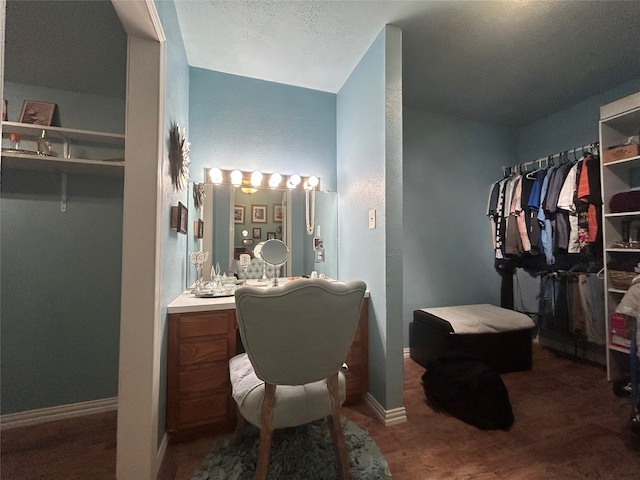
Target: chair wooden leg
column 265, row 432
column 335, row 426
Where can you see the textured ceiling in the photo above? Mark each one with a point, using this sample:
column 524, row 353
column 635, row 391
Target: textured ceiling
column 509, row 62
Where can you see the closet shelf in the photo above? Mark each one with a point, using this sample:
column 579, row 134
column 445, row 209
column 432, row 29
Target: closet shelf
column 616, row 290
column 622, row 214
column 619, row 349
column 625, row 162
column 109, row 144
column 78, row 166
column 63, row 134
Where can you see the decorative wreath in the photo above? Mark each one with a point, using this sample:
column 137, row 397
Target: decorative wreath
column 179, row 157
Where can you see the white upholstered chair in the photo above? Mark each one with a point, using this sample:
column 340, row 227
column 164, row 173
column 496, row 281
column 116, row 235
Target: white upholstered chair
column 296, row 338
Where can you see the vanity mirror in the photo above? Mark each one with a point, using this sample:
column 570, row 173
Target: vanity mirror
column 275, row 253
column 285, row 214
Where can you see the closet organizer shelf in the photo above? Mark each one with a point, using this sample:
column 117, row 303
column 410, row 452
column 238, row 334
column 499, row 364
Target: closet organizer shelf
column 619, row 121
column 65, row 137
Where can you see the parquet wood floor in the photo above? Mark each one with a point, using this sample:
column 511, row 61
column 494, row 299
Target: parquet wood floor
column 568, row 425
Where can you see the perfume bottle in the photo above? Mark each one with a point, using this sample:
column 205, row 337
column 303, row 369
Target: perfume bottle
column 44, row 147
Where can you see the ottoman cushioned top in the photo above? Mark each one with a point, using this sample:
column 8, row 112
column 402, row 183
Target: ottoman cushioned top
column 481, row 318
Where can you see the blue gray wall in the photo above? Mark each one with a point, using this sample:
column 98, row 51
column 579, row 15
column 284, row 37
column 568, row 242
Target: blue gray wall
column 370, row 178
column 448, row 167
column 174, row 245
column 569, row 128
column 249, row 124
column 61, row 271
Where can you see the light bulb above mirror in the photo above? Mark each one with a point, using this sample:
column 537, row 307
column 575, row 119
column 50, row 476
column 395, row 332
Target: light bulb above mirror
column 245, row 179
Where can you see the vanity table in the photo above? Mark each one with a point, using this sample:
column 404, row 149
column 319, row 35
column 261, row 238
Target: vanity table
column 202, row 337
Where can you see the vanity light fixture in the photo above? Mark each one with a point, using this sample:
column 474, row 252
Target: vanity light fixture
column 274, row 181
column 311, row 183
column 252, row 180
column 215, row 175
column 236, row 178
column 256, row 179
column 294, row 181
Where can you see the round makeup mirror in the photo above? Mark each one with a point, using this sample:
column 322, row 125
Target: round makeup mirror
column 275, row 253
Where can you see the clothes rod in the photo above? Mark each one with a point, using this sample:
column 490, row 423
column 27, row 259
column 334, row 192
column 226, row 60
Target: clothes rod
column 546, row 161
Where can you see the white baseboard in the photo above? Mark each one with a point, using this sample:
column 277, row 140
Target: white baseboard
column 161, row 451
column 60, row 412
column 388, row 417
column 406, row 352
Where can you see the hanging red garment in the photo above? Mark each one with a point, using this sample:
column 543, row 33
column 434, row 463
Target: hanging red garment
column 583, row 185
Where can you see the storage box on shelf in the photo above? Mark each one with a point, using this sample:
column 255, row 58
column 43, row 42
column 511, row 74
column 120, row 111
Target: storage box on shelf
column 72, row 150
column 619, row 122
column 621, row 152
column 618, row 335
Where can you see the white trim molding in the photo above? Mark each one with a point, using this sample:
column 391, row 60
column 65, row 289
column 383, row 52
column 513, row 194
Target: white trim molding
column 60, row 412
column 161, row 451
column 387, row 417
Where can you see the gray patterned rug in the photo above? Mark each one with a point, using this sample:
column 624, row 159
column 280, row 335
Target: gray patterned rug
column 304, row 452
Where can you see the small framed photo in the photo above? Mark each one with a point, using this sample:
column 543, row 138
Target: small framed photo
column 37, row 113
column 277, row 213
column 318, row 243
column 198, row 228
column 271, row 235
column 179, row 218
column 257, row 232
column 238, row 214
column 259, row 213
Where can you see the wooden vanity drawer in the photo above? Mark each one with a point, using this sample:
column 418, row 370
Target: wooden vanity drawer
column 203, row 410
column 203, row 350
column 198, row 387
column 204, row 378
column 195, row 325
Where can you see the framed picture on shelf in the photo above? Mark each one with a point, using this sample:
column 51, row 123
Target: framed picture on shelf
column 277, row 213
column 238, row 214
column 271, row 235
column 37, row 113
column 257, row 232
column 259, row 213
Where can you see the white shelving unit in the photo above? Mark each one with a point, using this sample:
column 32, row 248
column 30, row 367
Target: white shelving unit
column 109, row 160
column 618, row 121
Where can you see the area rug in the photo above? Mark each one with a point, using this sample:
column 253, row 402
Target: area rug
column 304, row 452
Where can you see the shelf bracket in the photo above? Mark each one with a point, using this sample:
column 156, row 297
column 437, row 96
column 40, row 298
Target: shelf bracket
column 63, row 193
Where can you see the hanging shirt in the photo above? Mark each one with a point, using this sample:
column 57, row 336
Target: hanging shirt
column 546, row 230
column 566, row 203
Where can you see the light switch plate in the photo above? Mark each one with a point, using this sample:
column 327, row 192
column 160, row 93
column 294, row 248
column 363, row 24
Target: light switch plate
column 372, row 219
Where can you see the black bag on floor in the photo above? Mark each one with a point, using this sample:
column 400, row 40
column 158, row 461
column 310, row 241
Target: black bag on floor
column 469, row 390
